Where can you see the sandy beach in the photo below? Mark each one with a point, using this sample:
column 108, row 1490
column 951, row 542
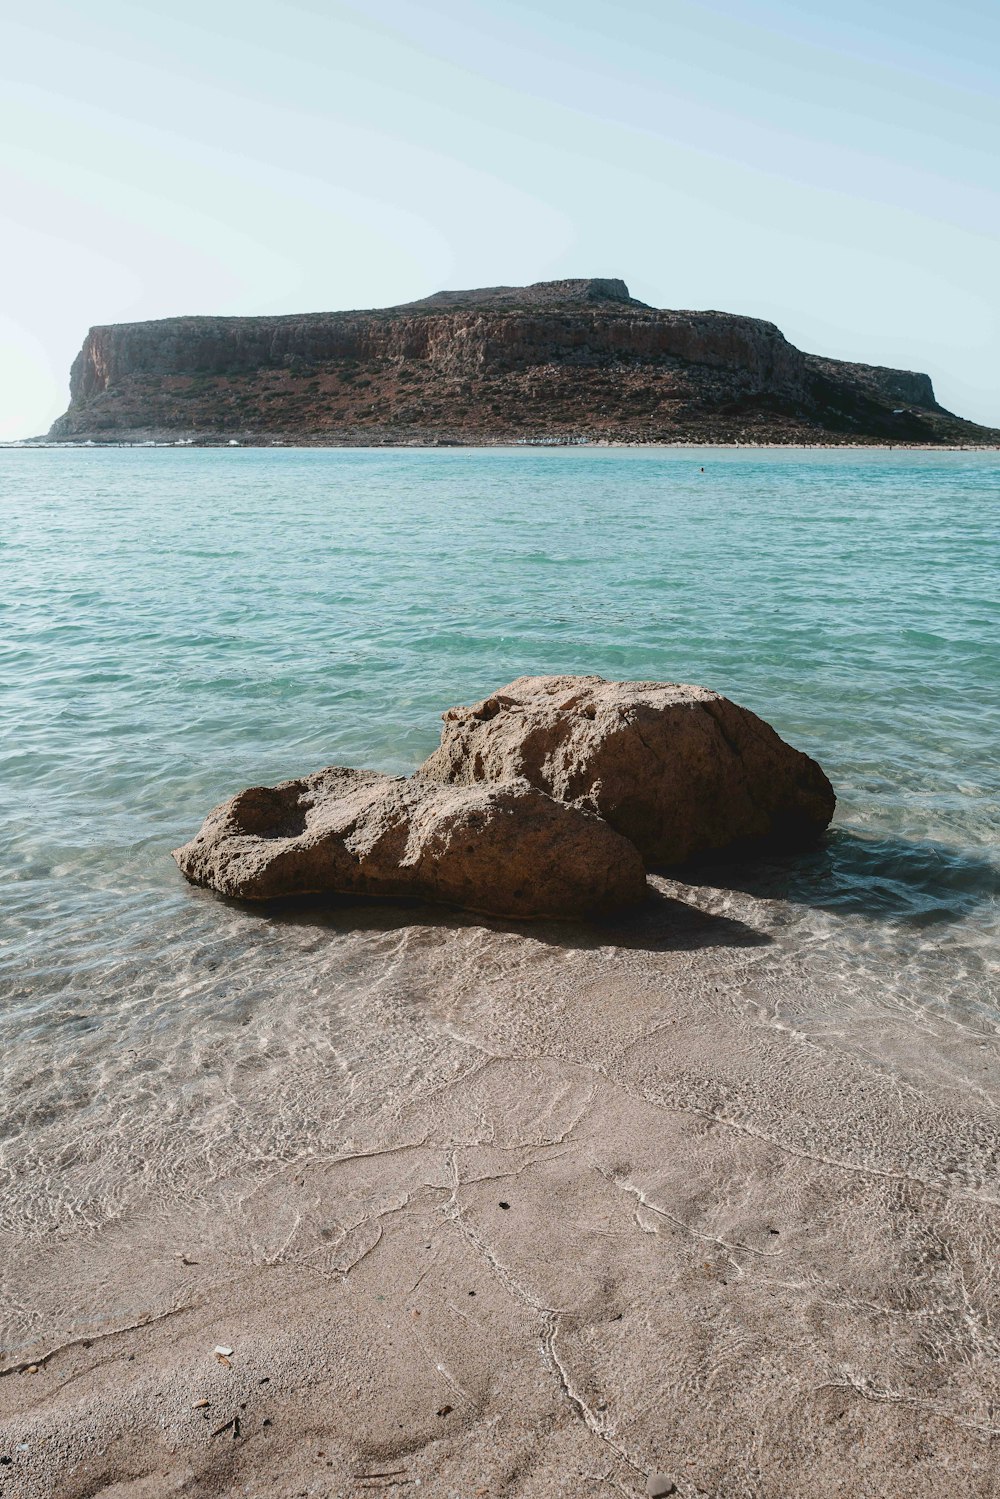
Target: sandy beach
column 606, row 1202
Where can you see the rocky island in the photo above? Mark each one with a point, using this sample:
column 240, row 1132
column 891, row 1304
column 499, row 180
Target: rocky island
column 556, row 362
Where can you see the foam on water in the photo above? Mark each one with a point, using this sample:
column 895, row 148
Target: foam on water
column 179, row 624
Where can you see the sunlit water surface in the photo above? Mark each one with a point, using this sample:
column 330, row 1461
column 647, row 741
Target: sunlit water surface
column 176, row 625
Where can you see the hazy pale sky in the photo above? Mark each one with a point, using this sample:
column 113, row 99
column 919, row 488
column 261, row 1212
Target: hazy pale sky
column 829, row 164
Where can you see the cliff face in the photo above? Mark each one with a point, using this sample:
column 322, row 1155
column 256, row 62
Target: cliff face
column 556, row 361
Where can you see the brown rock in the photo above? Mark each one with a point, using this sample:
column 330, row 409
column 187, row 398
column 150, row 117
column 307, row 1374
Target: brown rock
column 678, row 770
column 507, row 850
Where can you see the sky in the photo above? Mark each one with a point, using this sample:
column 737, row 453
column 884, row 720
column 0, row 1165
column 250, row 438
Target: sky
column 831, row 165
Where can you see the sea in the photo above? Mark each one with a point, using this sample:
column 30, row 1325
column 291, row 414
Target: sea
column 176, row 624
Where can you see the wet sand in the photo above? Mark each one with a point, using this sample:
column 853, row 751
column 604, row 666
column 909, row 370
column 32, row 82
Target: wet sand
column 601, row 1203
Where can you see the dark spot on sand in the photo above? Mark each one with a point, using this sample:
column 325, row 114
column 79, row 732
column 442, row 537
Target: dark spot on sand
column 505, row 1205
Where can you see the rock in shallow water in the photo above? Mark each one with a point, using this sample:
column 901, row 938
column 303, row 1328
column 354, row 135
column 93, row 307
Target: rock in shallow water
column 507, row 850
column 678, row 770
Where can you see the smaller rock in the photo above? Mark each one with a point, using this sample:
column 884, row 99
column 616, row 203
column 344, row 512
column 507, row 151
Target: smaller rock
column 507, row 850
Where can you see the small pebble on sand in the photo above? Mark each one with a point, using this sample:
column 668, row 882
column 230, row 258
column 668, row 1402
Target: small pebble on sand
column 658, row 1484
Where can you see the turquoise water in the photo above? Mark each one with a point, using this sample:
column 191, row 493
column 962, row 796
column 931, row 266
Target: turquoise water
column 176, row 625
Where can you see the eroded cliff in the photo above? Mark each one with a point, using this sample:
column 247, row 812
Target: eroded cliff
column 558, row 361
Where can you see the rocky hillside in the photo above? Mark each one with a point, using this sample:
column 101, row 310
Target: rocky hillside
column 559, row 361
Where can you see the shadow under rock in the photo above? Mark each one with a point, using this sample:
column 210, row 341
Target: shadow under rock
column 660, row 924
column 914, row 882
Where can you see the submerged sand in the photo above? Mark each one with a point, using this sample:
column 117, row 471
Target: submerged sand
column 599, row 1203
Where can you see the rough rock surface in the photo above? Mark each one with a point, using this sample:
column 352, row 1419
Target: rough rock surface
column 506, row 850
column 678, row 770
column 557, row 361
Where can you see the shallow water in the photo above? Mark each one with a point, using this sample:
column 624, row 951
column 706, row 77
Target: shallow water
column 176, row 625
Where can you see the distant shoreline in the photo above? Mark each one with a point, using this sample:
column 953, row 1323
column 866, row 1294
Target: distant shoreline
column 228, row 444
